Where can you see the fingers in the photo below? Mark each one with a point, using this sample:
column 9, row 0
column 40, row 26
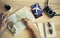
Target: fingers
column 5, row 16
column 2, row 16
column 25, row 20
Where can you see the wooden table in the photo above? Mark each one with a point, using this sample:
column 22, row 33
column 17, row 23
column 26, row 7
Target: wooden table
column 16, row 4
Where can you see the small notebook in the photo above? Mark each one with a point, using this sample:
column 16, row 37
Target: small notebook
column 44, row 30
column 15, row 24
column 41, row 29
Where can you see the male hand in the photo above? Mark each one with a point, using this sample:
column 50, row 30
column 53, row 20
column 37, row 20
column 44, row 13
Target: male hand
column 28, row 23
column 3, row 21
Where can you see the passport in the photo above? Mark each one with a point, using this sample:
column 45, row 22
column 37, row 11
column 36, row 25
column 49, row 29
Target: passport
column 36, row 10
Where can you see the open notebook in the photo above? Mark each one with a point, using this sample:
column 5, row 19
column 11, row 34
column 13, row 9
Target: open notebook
column 15, row 25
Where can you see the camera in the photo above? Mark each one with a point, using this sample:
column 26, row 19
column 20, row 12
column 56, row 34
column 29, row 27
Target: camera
column 49, row 12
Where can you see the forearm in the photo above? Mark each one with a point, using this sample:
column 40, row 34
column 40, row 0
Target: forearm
column 31, row 27
column 35, row 32
column 1, row 33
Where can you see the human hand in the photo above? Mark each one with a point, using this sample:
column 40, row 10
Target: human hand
column 28, row 23
column 3, row 21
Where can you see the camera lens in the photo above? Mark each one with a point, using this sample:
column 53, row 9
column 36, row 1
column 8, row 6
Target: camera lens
column 7, row 7
column 50, row 12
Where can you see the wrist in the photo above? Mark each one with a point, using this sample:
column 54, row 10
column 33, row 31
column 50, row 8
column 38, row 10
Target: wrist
column 33, row 29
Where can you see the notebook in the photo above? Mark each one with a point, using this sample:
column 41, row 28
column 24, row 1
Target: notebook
column 44, row 30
